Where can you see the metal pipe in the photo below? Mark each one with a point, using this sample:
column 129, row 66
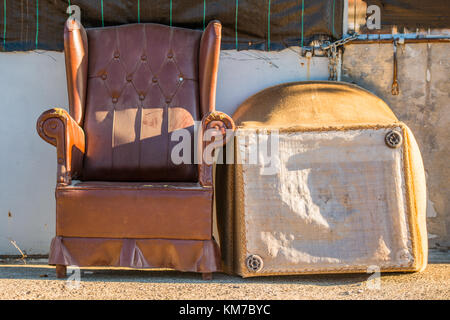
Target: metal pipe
column 418, row 40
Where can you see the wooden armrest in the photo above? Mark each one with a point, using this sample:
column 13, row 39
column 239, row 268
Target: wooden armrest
column 58, row 128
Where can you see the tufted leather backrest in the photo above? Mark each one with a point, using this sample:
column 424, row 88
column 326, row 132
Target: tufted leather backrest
column 142, row 86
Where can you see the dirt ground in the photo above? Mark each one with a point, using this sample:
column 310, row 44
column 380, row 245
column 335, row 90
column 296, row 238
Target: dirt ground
column 35, row 280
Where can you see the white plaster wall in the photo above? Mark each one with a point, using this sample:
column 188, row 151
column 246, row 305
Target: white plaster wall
column 29, row 84
column 244, row 73
column 422, row 103
column 33, row 82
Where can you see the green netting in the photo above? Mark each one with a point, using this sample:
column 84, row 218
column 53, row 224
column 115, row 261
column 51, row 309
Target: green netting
column 247, row 24
column 413, row 13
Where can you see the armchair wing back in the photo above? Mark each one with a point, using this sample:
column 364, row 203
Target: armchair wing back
column 131, row 89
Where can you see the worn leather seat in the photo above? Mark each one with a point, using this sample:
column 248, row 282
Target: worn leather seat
column 119, row 194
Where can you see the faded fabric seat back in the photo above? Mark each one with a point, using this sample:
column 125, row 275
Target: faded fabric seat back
column 343, row 189
column 142, row 86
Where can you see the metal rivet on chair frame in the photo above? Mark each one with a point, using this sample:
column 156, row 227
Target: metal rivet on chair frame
column 254, row 263
column 393, row 139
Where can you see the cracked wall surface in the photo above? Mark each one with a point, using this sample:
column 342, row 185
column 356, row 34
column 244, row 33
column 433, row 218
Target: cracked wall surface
column 30, row 83
column 423, row 104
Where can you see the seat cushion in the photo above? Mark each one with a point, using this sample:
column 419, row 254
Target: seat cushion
column 134, row 210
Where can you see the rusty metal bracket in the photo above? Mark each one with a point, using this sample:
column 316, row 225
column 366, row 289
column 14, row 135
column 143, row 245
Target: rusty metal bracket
column 395, row 90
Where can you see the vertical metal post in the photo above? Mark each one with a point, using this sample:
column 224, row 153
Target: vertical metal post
column 395, row 89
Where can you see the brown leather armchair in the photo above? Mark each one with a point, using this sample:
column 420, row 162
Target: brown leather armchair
column 120, row 199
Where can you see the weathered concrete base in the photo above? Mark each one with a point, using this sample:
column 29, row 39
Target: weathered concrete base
column 423, row 104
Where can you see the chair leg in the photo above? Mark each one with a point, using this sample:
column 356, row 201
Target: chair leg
column 61, row 271
column 207, row 276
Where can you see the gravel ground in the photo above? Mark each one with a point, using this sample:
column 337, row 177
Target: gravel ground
column 38, row 281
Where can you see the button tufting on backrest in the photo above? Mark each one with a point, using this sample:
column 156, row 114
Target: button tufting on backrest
column 142, row 86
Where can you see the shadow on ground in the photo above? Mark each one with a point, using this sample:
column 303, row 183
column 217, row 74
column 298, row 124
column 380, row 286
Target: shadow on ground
column 38, row 270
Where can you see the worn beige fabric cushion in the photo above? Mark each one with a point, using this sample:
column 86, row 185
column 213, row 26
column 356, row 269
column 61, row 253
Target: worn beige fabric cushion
column 339, row 200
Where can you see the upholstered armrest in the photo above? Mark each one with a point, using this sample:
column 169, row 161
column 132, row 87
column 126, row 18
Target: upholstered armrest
column 216, row 130
column 58, row 128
